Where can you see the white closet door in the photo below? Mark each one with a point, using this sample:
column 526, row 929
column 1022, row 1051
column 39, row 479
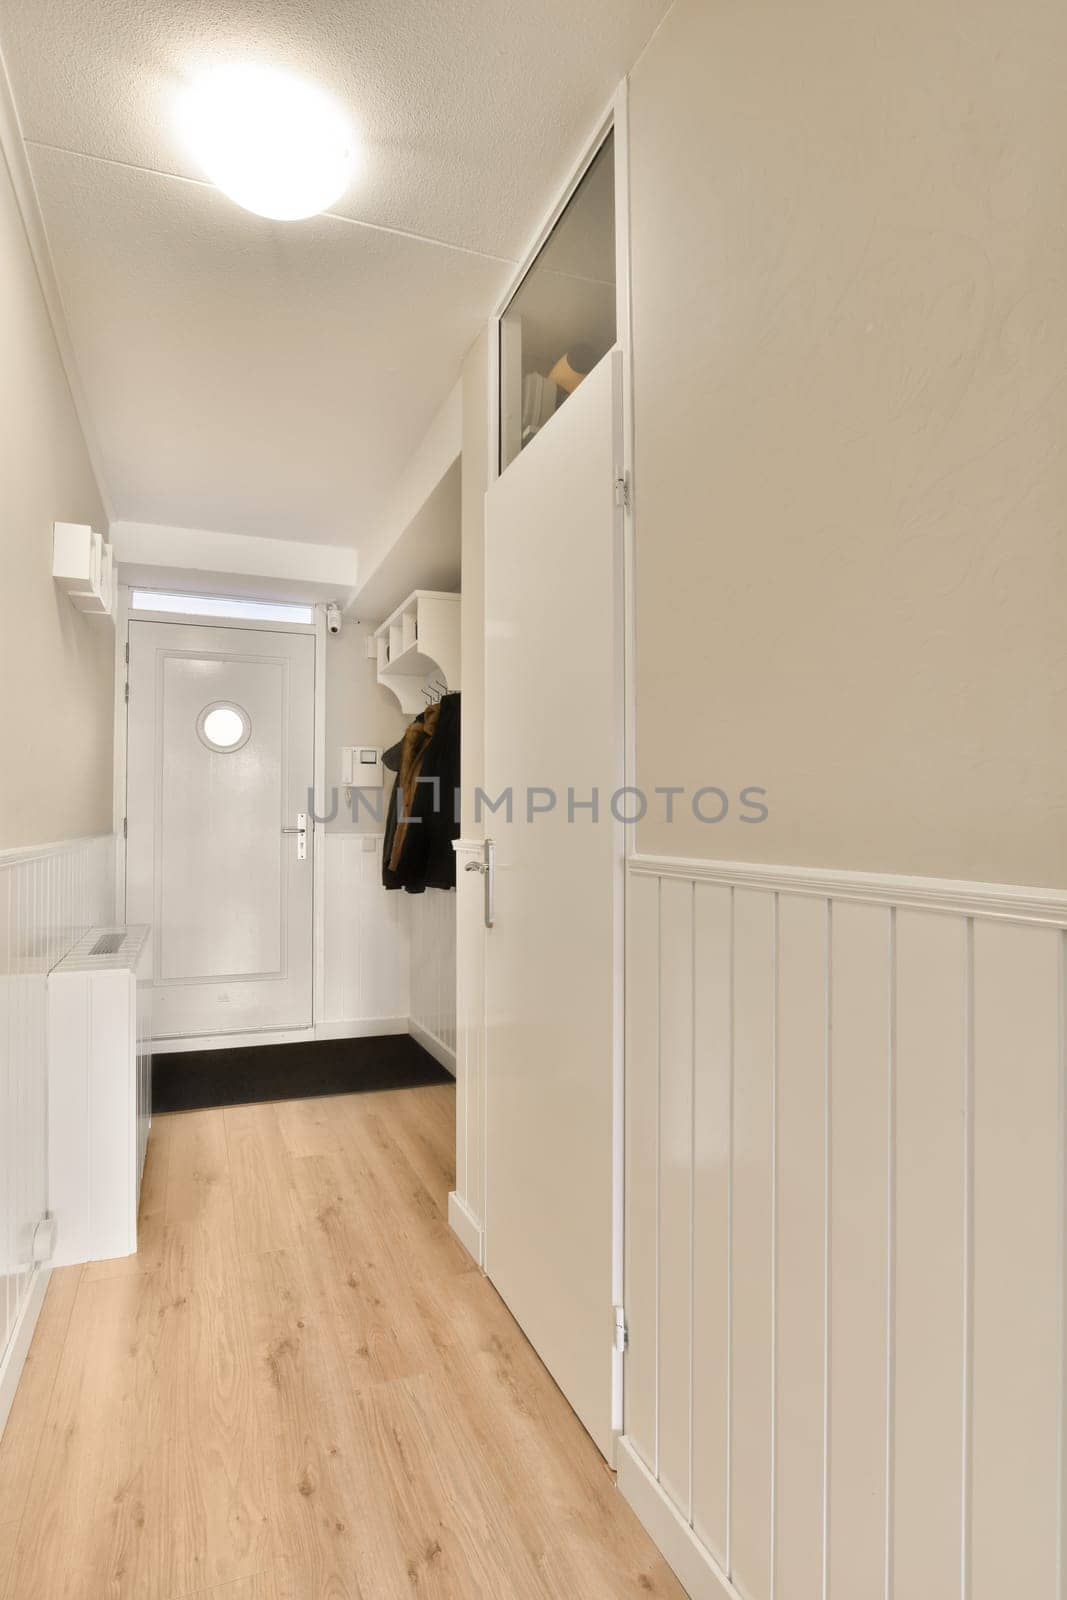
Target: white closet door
column 210, row 864
column 553, row 732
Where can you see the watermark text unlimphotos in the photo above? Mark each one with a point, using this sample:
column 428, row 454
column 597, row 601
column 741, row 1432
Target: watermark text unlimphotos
column 670, row 803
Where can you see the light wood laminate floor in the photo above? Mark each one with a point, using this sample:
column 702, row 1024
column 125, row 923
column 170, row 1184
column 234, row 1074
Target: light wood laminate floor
column 302, row 1389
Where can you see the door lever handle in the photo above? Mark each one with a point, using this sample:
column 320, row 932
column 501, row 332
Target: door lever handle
column 301, row 831
column 486, row 866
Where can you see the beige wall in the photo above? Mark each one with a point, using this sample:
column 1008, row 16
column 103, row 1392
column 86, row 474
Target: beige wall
column 850, row 331
column 358, row 711
column 475, row 482
column 56, row 667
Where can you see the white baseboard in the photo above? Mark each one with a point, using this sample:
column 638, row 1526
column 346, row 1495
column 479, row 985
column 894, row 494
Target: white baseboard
column 691, row 1563
column 361, row 1027
column 15, row 1356
column 466, row 1228
column 429, row 1041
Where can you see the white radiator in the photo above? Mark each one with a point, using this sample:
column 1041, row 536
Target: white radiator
column 100, row 1089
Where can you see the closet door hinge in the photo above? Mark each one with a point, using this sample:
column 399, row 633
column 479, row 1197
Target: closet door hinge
column 125, row 827
column 127, row 696
column 622, row 1332
column 622, row 491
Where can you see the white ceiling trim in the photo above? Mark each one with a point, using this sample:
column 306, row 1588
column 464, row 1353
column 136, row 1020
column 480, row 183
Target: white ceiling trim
column 203, row 183
column 154, row 556
column 13, row 150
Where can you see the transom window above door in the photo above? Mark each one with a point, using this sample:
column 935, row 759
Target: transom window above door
column 218, row 605
column 562, row 318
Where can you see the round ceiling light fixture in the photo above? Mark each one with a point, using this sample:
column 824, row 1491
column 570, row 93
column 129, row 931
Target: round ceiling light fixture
column 275, row 143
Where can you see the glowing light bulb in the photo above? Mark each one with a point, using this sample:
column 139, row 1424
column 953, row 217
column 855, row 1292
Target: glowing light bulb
column 274, row 143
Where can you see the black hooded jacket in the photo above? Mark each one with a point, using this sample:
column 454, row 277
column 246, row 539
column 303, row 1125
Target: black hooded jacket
column 427, row 859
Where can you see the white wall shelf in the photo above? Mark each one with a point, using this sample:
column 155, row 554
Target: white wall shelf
column 418, row 647
column 82, row 565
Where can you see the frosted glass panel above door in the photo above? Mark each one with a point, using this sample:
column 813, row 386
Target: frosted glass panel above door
column 561, row 320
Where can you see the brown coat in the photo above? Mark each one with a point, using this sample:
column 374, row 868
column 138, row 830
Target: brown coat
column 415, row 741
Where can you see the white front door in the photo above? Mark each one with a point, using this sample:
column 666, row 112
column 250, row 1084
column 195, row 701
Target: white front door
column 554, row 737
column 220, row 763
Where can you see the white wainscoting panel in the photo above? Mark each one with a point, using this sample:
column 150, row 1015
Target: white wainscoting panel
column 432, row 921
column 466, row 1205
column 367, row 941
column 49, row 897
column 845, row 1232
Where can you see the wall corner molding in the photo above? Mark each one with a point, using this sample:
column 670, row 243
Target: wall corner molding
column 13, row 150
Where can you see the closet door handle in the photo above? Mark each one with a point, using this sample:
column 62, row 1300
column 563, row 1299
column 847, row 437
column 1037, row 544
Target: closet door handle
column 489, row 861
column 487, row 867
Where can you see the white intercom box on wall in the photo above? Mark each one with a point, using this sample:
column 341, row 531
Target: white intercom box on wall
column 361, row 766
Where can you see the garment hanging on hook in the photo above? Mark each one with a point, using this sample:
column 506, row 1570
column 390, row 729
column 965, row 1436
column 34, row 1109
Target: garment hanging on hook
column 423, row 817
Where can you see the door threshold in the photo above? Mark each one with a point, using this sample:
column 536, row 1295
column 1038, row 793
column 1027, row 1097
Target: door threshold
column 230, row 1041
column 349, row 1028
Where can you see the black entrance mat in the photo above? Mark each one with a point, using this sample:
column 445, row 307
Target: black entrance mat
column 194, row 1080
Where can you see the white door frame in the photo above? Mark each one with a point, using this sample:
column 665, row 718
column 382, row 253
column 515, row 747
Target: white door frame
column 615, row 117
column 124, row 615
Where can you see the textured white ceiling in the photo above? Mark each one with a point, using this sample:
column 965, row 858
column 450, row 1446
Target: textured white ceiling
column 251, row 376
column 272, row 378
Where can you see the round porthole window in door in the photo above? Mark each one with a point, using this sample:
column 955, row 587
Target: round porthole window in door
column 223, row 726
